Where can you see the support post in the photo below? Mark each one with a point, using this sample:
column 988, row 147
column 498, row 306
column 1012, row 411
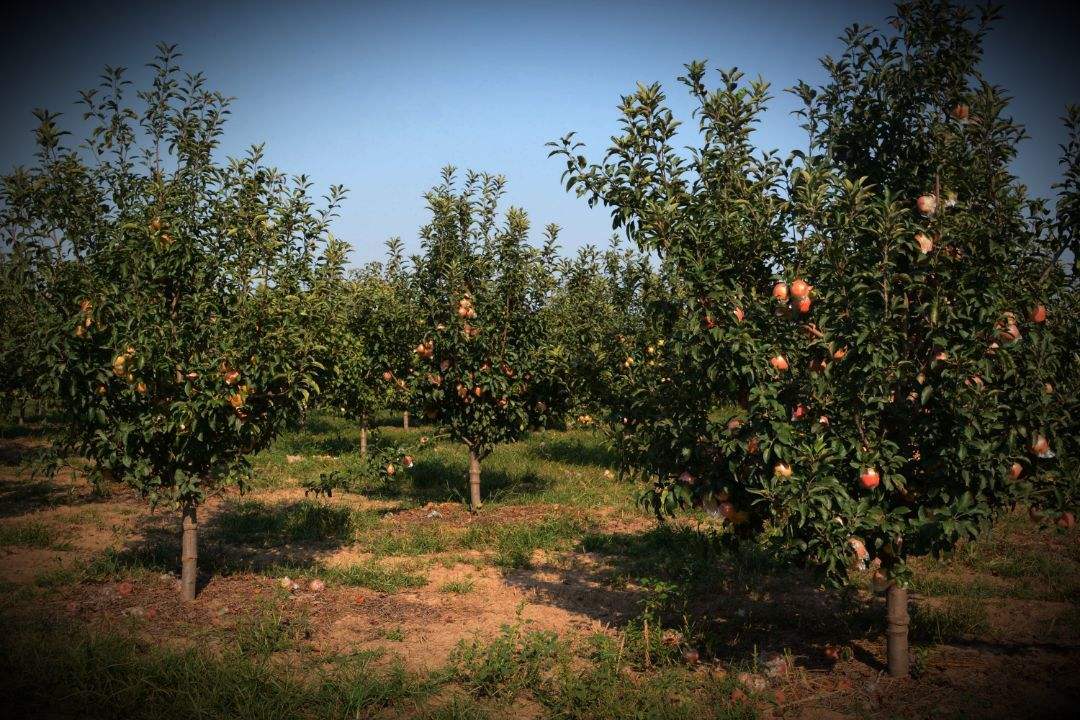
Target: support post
column 896, row 613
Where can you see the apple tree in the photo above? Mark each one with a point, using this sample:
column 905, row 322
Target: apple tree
column 876, row 315
column 174, row 331
column 597, row 312
column 487, row 370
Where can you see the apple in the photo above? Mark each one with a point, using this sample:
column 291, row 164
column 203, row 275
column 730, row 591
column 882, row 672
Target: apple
column 926, row 245
column 119, row 365
column 799, row 412
column 1067, row 520
column 824, row 420
column 407, row 461
column 686, row 477
column 927, row 204
column 839, row 354
column 782, row 470
column 1038, row 314
column 709, row 322
column 803, row 304
column 738, row 313
column 726, row 510
column 960, row 112
column 752, row 445
column 1015, row 471
column 734, row 424
column 800, row 289
column 140, row 387
column 1041, row 447
column 779, row 362
column 869, row 478
column 388, row 376
column 780, row 292
column 1048, row 389
column 390, row 469
column 860, row 549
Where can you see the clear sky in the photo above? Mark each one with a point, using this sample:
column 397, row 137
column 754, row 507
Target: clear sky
column 379, row 96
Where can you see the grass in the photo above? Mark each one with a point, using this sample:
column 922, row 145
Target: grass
column 955, row 619
column 268, row 630
column 32, row 534
column 52, row 671
column 251, row 522
column 458, row 587
column 373, row 576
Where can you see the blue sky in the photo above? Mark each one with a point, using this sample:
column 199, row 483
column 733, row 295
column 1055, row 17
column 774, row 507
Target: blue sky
column 379, row 96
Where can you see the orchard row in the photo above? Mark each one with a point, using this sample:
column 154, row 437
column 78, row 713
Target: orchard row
column 858, row 353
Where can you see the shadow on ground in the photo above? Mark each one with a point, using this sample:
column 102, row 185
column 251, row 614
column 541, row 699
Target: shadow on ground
column 734, row 603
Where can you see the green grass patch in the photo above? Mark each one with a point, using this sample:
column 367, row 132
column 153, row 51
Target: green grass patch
column 251, row 522
column 373, row 576
column 31, row 534
column 956, row 618
column 515, row 543
column 457, row 587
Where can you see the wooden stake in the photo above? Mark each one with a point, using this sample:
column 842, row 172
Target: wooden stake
column 896, row 614
column 474, row 481
column 189, row 553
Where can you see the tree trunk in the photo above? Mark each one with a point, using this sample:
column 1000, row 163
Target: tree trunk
column 405, row 420
column 474, row 481
column 896, row 613
column 363, row 438
column 189, row 553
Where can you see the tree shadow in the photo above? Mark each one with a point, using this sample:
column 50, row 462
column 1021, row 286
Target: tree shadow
column 242, row 536
column 438, row 477
column 736, row 602
column 574, row 451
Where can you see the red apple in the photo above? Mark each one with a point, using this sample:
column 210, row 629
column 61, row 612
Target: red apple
column 1038, row 314
column 926, row 244
column 799, row 289
column 734, row 424
column 927, row 204
column 960, row 112
column 1040, row 446
column 1067, row 520
column 388, row 376
column 780, row 292
column 1015, row 471
column 779, row 362
column 839, row 354
column 803, row 304
column 738, row 313
column 799, row 412
column 869, row 478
